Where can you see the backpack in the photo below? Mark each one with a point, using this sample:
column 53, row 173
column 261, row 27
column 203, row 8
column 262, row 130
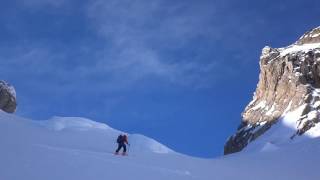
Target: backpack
column 125, row 138
column 119, row 139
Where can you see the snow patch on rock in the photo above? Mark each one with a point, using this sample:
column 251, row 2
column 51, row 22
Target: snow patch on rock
column 9, row 88
column 282, row 133
column 297, row 48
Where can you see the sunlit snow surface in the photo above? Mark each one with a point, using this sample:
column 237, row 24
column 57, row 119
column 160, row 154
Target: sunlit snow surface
column 297, row 48
column 283, row 133
column 81, row 149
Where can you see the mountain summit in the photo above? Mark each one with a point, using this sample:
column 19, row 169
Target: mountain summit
column 312, row 36
column 289, row 83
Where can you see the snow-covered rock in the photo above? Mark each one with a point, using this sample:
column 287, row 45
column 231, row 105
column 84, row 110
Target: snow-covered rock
column 312, row 36
column 289, row 80
column 8, row 97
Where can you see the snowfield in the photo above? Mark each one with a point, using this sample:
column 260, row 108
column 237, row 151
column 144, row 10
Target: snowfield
column 81, row 149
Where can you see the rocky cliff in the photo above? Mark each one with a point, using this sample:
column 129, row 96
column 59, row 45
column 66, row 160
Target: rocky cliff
column 8, row 101
column 289, row 79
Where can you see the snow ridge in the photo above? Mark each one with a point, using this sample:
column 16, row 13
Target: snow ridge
column 298, row 48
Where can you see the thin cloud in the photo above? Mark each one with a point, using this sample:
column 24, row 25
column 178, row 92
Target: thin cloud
column 141, row 31
column 143, row 40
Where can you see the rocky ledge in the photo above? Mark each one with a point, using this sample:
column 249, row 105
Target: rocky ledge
column 289, row 78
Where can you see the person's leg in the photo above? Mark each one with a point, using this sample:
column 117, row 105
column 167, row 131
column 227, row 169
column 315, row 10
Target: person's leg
column 118, row 149
column 124, row 148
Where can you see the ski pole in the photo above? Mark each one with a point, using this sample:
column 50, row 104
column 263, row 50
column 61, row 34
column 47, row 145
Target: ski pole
column 128, row 148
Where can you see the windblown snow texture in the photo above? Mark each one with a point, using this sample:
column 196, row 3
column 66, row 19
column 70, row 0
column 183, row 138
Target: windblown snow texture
column 81, row 149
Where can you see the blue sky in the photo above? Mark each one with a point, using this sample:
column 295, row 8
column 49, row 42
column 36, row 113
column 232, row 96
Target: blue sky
column 178, row 71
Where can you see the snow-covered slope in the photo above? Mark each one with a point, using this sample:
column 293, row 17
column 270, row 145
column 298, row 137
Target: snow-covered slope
column 81, row 149
column 283, row 133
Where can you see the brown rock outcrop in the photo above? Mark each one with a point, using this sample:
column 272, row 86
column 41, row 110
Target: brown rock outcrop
column 289, row 78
